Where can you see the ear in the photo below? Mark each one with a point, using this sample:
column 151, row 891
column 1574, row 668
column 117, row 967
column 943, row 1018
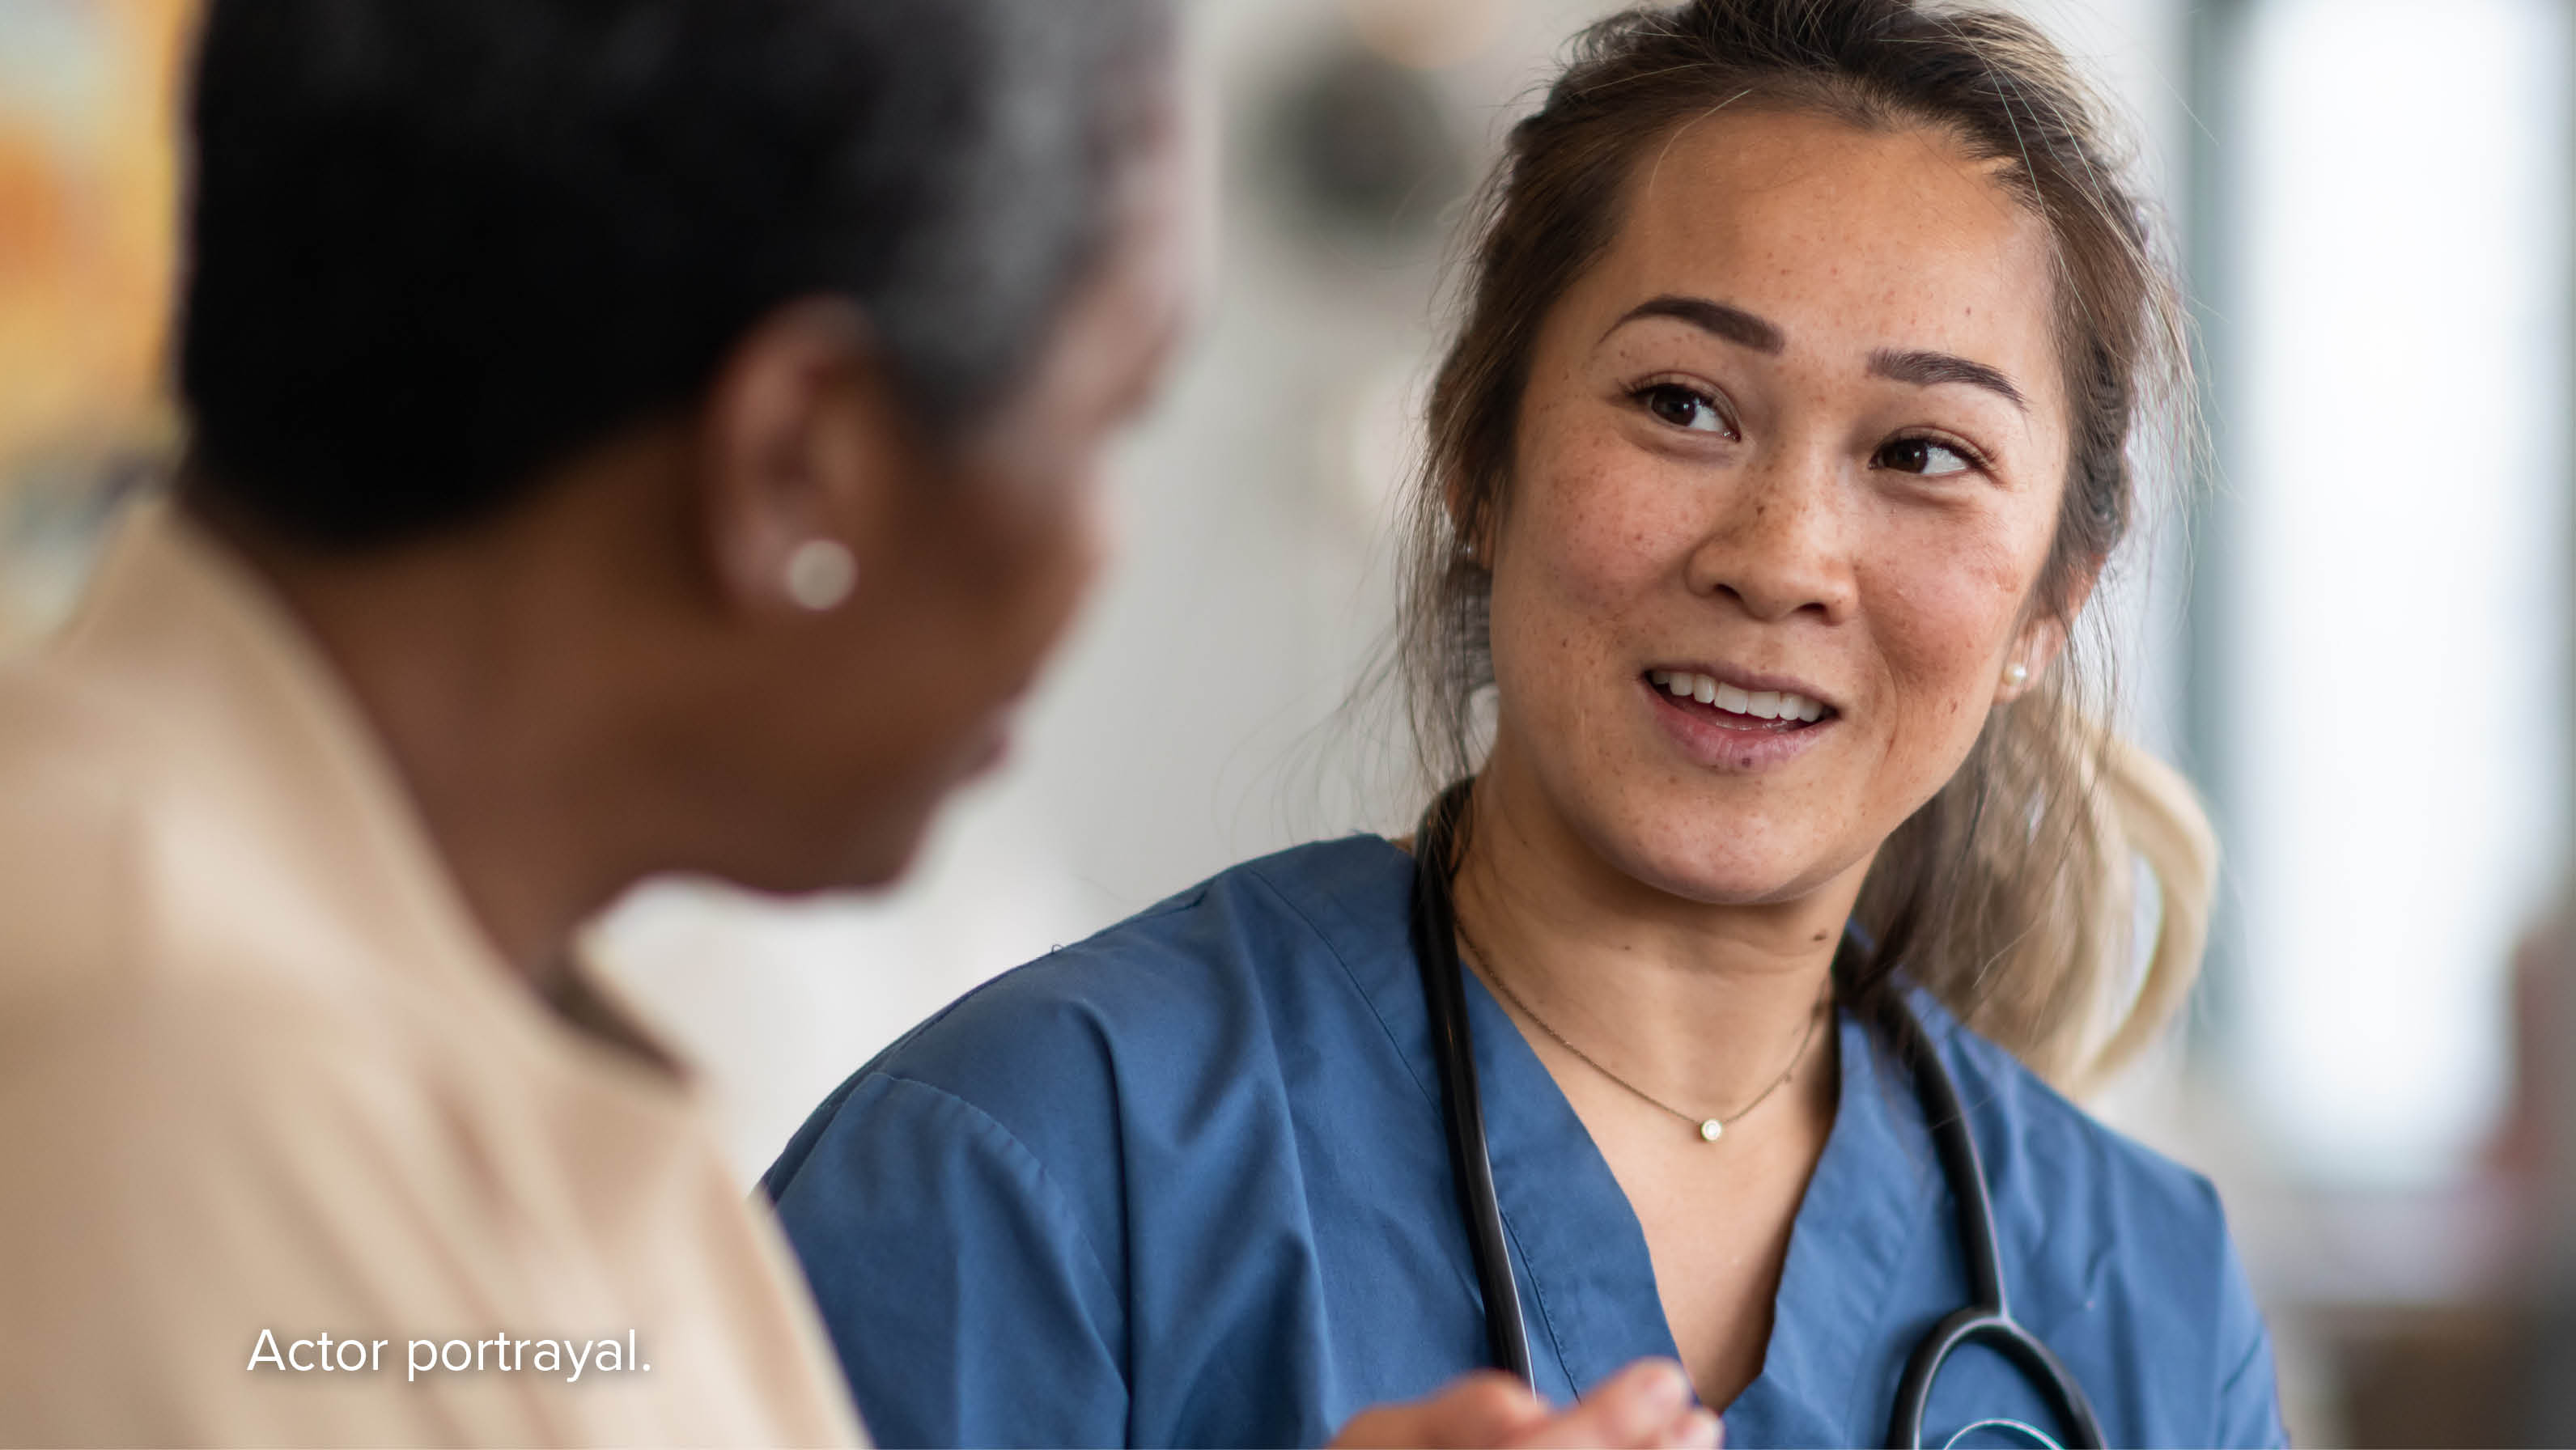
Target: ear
column 2043, row 638
column 1473, row 528
column 802, row 448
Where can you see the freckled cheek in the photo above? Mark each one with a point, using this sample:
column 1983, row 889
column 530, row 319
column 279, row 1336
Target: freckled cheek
column 1578, row 564
column 1939, row 632
column 1597, row 526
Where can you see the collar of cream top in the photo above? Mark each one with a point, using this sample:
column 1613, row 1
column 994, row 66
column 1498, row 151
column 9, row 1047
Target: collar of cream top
column 245, row 715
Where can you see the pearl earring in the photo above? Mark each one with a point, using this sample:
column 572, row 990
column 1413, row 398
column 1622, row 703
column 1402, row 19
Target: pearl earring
column 820, row 574
column 2016, row 674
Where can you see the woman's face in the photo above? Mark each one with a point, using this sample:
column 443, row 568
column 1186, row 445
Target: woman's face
column 1787, row 471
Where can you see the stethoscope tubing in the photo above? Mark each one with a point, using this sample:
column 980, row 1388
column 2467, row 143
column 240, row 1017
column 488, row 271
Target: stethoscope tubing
column 1986, row 1319
column 1435, row 951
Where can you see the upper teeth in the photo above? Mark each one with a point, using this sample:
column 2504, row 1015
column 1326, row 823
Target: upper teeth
column 1761, row 704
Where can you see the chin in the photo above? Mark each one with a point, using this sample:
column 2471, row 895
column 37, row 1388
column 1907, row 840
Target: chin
column 880, row 862
column 871, row 861
column 1748, row 885
column 1723, row 857
column 877, row 841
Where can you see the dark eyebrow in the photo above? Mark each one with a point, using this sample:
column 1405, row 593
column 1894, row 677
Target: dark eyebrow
column 1733, row 324
column 1927, row 369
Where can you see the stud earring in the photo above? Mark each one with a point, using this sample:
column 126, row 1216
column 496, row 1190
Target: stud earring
column 2016, row 674
column 820, row 574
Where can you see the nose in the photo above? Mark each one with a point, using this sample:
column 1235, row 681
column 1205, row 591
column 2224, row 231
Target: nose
column 1777, row 542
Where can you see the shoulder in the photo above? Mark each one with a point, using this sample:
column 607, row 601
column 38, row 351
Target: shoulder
column 1248, row 932
column 165, row 989
column 2044, row 1148
column 127, row 880
column 142, row 854
column 2106, row 1231
column 203, row 1118
column 1086, row 1128
column 215, row 1075
column 1176, row 1049
column 75, row 843
column 1198, row 983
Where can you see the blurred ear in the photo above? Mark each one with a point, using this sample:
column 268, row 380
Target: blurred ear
column 802, row 440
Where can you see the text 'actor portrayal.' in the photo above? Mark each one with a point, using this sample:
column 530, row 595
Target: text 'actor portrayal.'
column 1787, row 430
column 624, row 436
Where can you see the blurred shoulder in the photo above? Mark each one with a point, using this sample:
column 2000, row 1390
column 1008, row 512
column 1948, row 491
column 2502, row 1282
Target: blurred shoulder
column 152, row 948
column 152, row 909
column 76, row 849
column 141, row 853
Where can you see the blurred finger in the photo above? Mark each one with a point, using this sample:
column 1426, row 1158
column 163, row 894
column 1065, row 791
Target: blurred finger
column 1646, row 1404
column 1486, row 1408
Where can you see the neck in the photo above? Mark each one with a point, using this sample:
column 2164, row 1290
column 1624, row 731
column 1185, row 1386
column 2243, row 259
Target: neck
column 480, row 664
column 1700, row 1005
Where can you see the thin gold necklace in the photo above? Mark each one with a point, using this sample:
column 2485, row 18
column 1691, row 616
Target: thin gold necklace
column 1710, row 1129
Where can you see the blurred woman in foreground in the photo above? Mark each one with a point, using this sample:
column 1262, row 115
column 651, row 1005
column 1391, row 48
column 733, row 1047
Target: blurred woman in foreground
column 626, row 436
column 1786, row 434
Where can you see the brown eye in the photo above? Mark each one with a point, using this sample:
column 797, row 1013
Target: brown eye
column 1682, row 408
column 1922, row 456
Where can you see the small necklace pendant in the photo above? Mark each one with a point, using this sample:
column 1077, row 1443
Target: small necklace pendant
column 1710, row 1130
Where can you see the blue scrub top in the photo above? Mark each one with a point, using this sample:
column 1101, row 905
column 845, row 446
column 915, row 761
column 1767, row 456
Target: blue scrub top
column 1186, row 1184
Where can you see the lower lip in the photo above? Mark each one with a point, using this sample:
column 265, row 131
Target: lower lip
column 1711, row 738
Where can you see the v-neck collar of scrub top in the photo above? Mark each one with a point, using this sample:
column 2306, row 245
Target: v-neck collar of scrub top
column 1875, row 1195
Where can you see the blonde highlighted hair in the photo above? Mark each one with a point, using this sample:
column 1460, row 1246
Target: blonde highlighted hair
column 2010, row 894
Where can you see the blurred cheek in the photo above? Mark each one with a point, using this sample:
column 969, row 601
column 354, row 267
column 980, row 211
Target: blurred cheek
column 1091, row 540
column 1059, row 550
column 995, row 572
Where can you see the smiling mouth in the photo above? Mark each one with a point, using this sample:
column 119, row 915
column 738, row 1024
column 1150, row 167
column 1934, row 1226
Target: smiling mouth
column 1735, row 708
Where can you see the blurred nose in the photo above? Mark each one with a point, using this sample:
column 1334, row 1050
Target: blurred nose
column 1777, row 545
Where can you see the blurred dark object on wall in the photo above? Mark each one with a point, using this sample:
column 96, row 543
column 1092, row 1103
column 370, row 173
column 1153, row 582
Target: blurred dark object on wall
column 1365, row 152
column 2429, row 1375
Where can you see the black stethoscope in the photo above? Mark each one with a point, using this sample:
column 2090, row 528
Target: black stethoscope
column 1987, row 1317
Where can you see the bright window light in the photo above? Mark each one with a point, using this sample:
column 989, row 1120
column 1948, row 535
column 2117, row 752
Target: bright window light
column 2393, row 218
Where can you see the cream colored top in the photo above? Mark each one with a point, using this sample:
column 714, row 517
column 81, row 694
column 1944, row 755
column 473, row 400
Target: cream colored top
column 260, row 1071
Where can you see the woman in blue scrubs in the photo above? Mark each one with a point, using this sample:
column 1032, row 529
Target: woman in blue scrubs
column 1786, row 432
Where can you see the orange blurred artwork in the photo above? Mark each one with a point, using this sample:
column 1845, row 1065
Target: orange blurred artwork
column 88, row 169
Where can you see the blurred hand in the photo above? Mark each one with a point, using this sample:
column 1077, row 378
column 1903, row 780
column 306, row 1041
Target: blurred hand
column 1648, row 1404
